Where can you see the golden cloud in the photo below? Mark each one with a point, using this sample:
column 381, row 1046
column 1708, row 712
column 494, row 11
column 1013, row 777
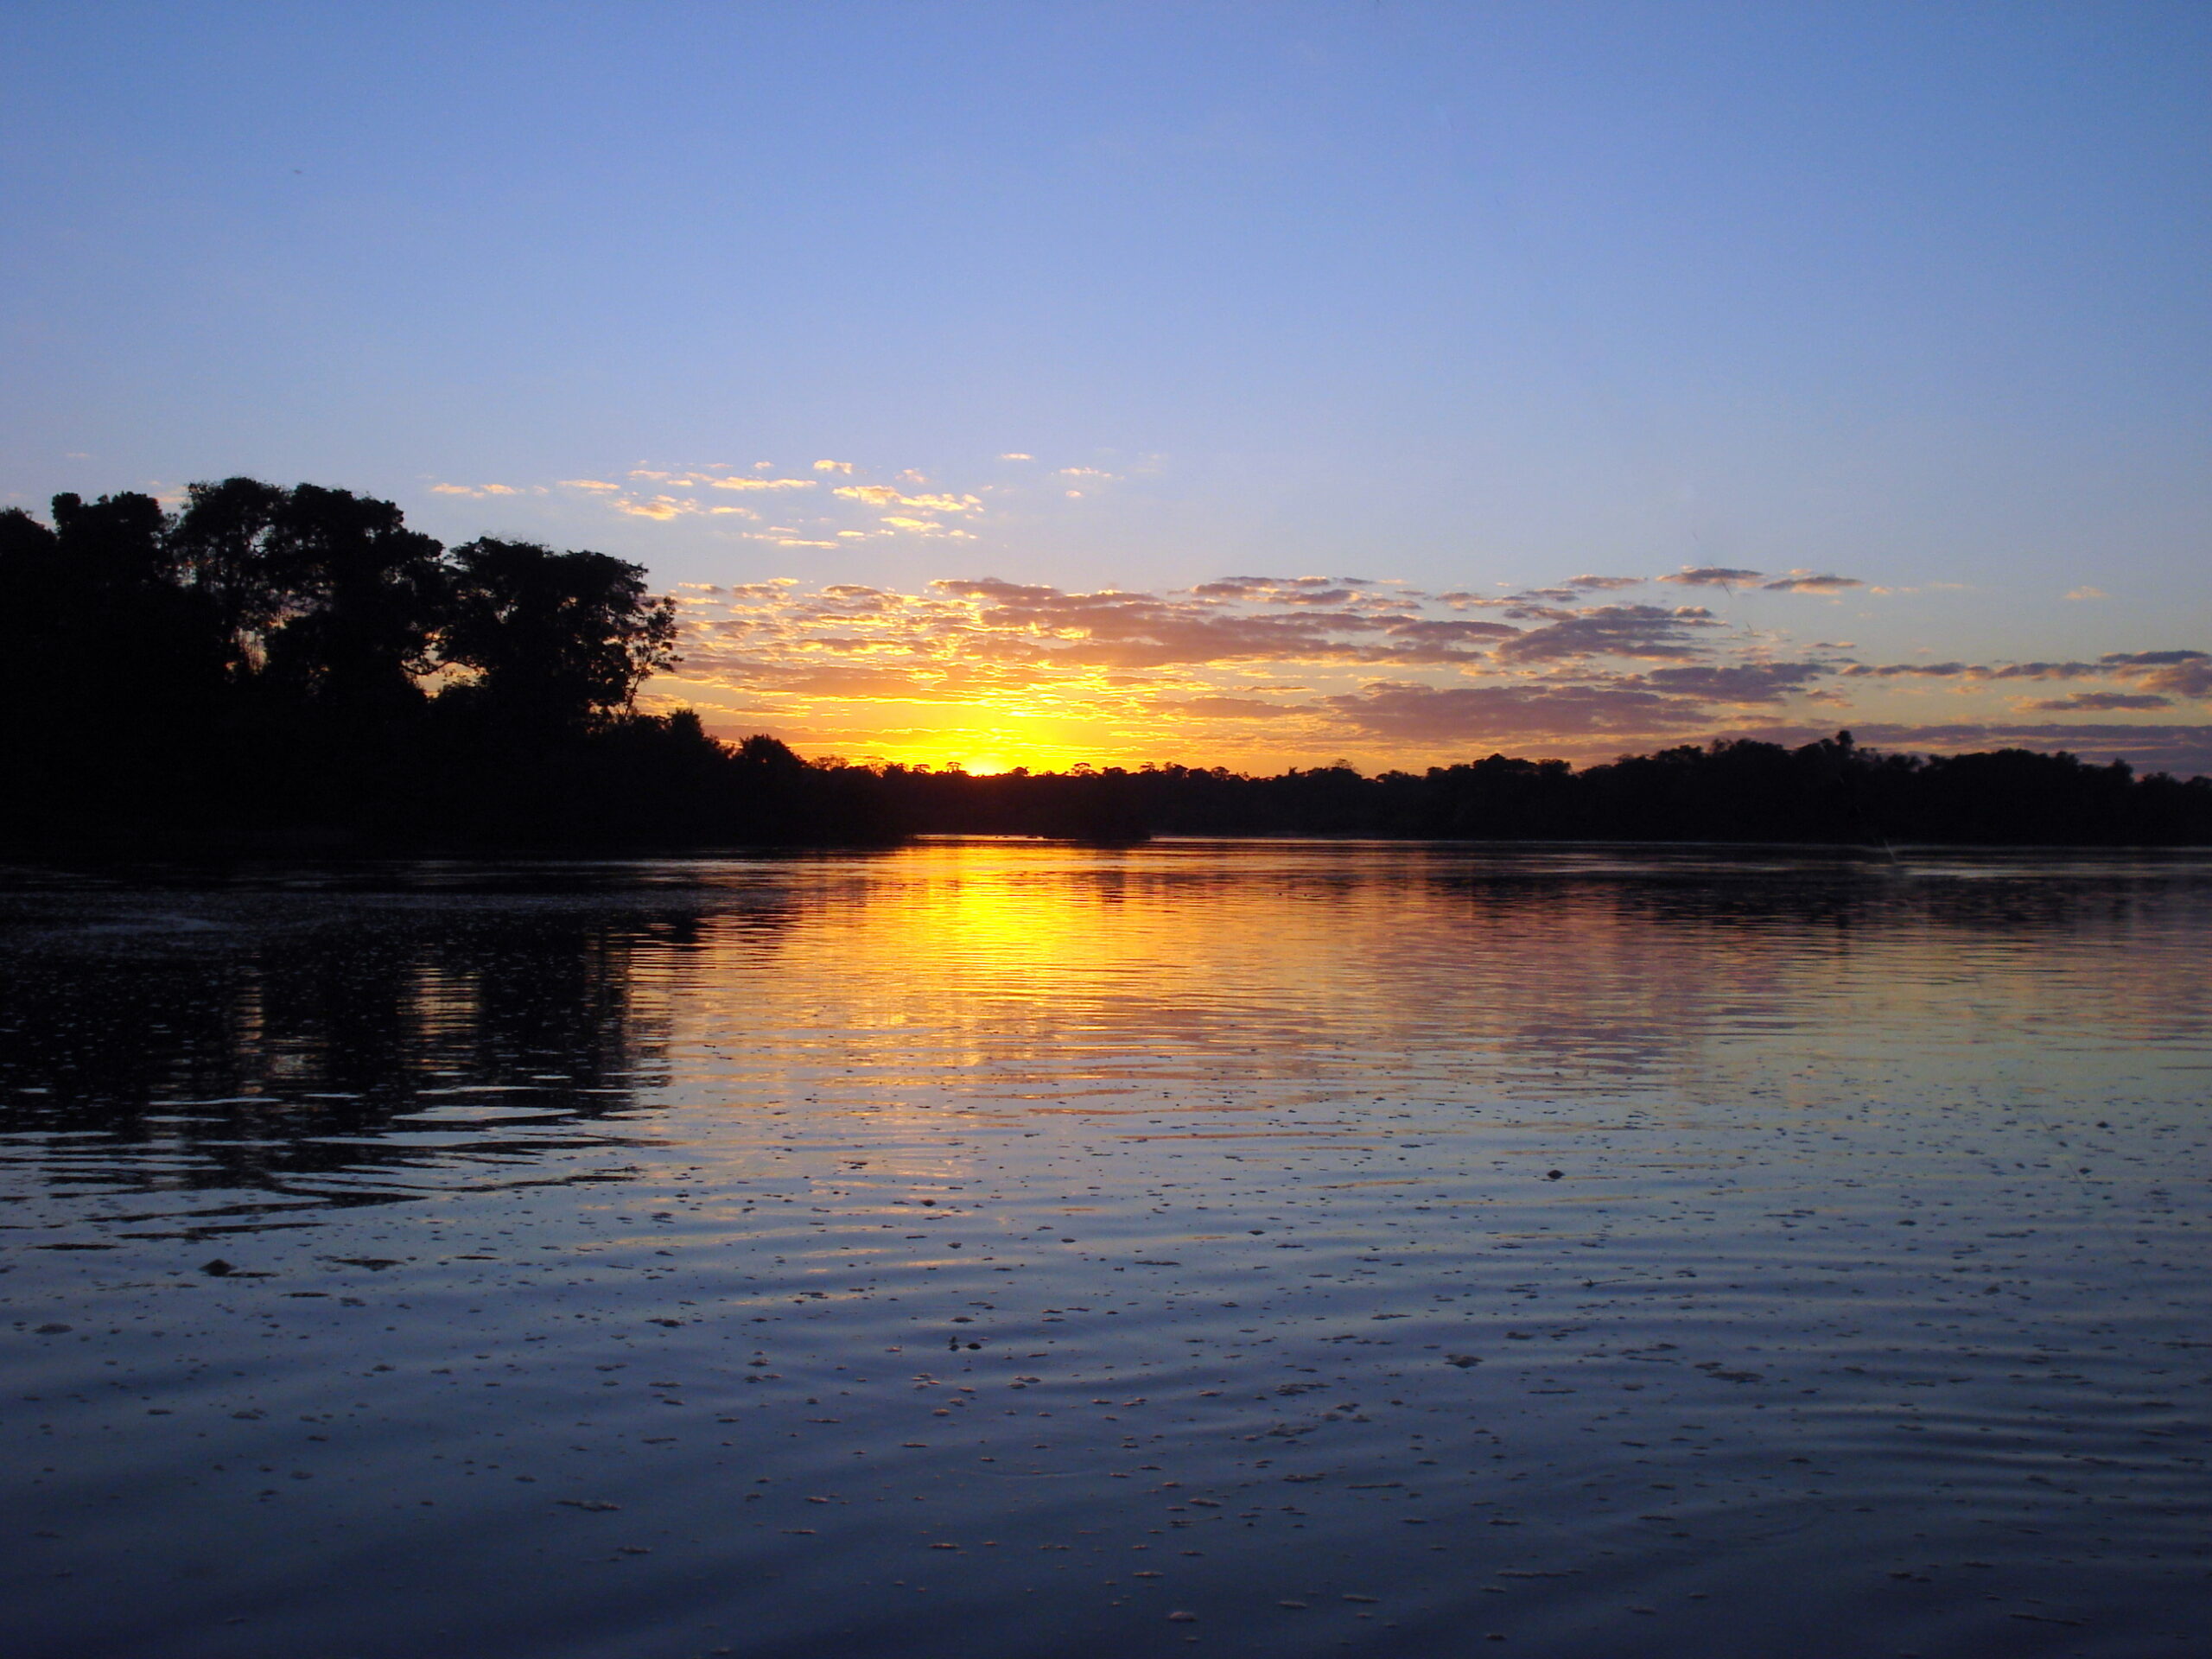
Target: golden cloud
column 1037, row 674
column 882, row 495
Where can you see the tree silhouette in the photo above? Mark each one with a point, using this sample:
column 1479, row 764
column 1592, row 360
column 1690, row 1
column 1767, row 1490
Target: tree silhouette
column 224, row 546
column 557, row 640
column 362, row 598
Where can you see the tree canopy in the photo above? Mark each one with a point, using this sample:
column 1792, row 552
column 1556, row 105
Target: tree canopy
column 555, row 639
column 300, row 656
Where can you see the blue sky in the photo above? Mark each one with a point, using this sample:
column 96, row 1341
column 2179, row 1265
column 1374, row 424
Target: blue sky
column 1474, row 298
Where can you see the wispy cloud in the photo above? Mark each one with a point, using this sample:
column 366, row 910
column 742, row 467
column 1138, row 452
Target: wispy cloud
column 1268, row 669
column 1804, row 581
column 2178, row 673
column 2097, row 702
column 1479, row 716
column 1736, row 683
column 882, row 495
column 653, row 506
column 1646, row 631
column 1374, row 669
column 1224, row 707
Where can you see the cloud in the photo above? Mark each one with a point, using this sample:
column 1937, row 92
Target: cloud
column 2191, row 680
column 2176, row 673
column 1804, row 581
column 1016, row 454
column 1229, row 709
column 2098, row 702
column 1281, row 593
column 882, row 495
column 1481, row 716
column 1797, row 581
column 661, row 507
column 1451, row 630
column 474, row 489
column 926, row 527
column 1270, row 671
column 1645, row 631
column 1907, row 671
column 1297, row 590
column 1113, row 628
column 1737, row 682
column 851, row 680
column 2152, row 658
column 2088, row 592
column 665, row 495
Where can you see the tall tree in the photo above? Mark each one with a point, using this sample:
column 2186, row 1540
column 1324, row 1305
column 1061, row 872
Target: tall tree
column 364, row 597
column 225, row 545
column 557, row 640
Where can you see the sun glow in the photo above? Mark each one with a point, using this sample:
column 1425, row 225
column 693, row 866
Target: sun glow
column 1261, row 673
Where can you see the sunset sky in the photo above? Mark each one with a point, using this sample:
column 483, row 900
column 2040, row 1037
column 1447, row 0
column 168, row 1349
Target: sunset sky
column 1256, row 385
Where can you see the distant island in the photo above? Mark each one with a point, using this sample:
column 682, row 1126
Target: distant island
column 294, row 671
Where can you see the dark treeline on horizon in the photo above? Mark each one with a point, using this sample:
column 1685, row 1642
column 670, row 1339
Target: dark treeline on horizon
column 1832, row 791
column 295, row 670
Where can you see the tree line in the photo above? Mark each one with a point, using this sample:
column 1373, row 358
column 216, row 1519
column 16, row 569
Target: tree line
column 295, row 670
column 1833, row 792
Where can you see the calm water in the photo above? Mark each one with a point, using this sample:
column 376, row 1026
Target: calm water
column 999, row 1249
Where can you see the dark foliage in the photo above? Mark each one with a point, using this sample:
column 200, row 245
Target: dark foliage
column 295, row 670
column 1830, row 793
column 278, row 669
column 555, row 639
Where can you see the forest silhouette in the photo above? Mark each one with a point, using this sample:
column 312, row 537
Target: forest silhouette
column 294, row 671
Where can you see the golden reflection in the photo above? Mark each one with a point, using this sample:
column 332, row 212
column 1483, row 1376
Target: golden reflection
column 964, row 976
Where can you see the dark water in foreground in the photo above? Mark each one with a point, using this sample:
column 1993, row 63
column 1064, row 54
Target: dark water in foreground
column 997, row 1249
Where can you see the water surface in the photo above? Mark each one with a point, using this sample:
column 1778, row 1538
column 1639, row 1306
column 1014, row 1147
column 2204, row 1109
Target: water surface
column 993, row 1248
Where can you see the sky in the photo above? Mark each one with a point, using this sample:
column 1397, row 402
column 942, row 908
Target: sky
column 1252, row 384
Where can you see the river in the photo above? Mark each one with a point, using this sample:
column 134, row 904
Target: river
column 998, row 1248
